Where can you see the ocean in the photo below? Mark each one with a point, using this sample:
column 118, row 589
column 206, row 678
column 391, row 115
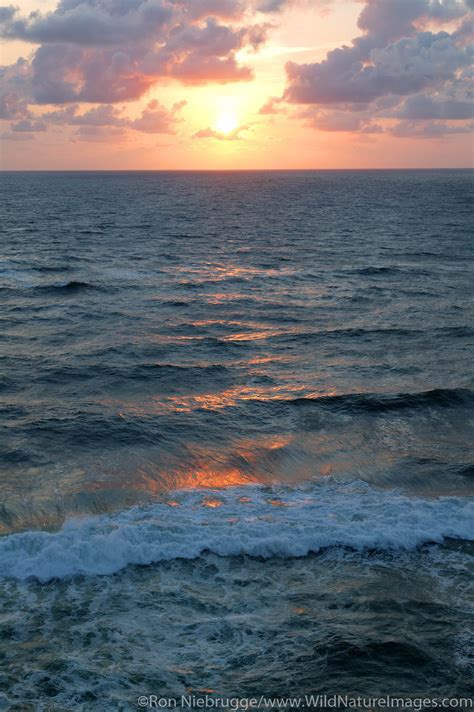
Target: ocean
column 235, row 436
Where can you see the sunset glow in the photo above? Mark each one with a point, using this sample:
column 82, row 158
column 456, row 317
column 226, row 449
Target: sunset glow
column 237, row 84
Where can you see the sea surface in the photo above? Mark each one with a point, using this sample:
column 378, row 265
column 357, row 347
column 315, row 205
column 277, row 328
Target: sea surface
column 235, row 436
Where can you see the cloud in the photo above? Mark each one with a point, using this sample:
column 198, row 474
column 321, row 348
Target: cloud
column 339, row 121
column 16, row 136
column 220, row 135
column 385, row 20
column 224, row 9
column 14, row 80
column 396, row 69
column 101, row 134
column 421, row 106
column 103, row 115
column 274, row 6
column 197, row 70
column 28, row 126
column 87, row 23
column 428, row 129
column 271, row 5
column 103, row 51
column 272, row 106
column 401, row 68
column 12, row 105
column 155, row 118
column 447, row 10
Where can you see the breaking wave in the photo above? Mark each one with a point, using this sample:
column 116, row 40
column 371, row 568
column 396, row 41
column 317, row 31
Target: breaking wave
column 255, row 521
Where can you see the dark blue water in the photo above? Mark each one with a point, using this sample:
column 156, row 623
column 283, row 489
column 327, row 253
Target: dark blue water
column 235, row 434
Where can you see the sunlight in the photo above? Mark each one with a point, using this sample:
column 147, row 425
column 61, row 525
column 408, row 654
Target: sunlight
column 226, row 122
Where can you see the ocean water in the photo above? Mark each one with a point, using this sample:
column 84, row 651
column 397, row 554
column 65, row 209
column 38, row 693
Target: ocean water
column 235, row 436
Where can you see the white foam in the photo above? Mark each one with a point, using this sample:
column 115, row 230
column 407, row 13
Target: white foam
column 274, row 523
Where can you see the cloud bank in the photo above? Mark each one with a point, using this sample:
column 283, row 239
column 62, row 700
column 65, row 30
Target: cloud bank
column 108, row 51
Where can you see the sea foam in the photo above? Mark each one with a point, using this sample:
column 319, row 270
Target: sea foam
column 255, row 521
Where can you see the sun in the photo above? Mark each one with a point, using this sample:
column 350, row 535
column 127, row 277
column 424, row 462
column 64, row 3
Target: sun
column 226, row 122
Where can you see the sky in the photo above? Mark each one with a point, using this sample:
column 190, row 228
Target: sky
column 222, row 84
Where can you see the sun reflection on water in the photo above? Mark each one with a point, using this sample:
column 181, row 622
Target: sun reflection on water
column 215, row 400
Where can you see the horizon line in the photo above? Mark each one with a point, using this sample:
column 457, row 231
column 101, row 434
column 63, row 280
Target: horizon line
column 227, row 170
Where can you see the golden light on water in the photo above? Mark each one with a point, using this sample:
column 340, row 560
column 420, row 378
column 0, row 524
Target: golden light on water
column 211, row 503
column 206, row 476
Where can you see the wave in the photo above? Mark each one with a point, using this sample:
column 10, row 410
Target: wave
column 386, row 270
column 25, row 283
column 359, row 333
column 157, row 373
column 378, row 270
column 70, row 286
column 383, row 403
column 253, row 521
column 175, row 303
column 16, row 456
column 54, row 269
column 91, row 427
